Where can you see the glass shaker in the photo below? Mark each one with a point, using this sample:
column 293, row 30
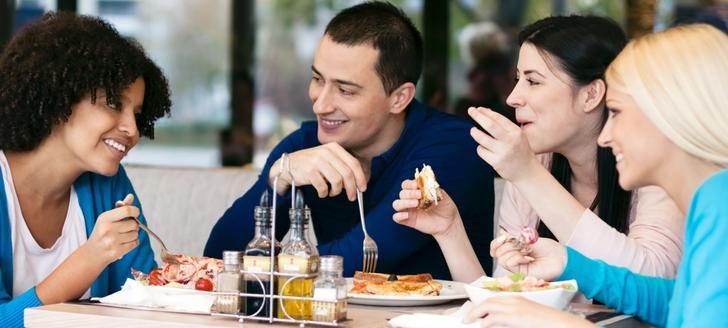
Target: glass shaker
column 330, row 290
column 230, row 281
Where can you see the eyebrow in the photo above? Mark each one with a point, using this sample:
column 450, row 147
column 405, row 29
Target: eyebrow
column 533, row 71
column 339, row 81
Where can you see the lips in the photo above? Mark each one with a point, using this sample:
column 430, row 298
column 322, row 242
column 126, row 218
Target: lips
column 116, row 145
column 523, row 124
column 331, row 124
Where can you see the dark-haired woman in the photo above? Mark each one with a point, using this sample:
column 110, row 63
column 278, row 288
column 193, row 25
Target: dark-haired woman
column 75, row 97
column 558, row 179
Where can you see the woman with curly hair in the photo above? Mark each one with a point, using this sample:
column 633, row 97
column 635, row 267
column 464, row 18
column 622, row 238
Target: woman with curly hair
column 75, row 97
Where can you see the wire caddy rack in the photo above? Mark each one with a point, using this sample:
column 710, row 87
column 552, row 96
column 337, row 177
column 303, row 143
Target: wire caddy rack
column 271, row 297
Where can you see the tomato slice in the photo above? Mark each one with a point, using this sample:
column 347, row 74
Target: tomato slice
column 203, row 284
column 156, row 279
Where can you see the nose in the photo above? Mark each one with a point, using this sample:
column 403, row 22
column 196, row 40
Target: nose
column 321, row 97
column 128, row 124
column 605, row 137
column 516, row 99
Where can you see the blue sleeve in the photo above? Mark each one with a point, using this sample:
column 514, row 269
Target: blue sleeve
column 466, row 178
column 701, row 294
column 237, row 225
column 619, row 288
column 11, row 310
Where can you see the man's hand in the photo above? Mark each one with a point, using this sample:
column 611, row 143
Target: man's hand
column 329, row 168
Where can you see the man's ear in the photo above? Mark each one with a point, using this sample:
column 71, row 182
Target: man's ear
column 401, row 97
column 594, row 95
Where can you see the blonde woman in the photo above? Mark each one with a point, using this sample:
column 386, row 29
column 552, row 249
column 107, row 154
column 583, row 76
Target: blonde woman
column 666, row 127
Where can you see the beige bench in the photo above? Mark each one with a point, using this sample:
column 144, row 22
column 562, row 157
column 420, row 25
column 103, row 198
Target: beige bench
column 182, row 204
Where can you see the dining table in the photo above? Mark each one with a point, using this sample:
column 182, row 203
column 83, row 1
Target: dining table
column 78, row 314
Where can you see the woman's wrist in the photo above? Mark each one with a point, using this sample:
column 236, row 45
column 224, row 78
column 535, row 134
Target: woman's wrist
column 456, row 231
column 529, row 173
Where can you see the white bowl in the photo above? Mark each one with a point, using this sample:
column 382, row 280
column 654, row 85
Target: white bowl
column 556, row 297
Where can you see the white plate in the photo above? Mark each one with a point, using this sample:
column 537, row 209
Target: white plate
column 451, row 290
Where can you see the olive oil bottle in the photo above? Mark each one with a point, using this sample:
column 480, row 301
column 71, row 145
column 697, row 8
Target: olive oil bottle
column 298, row 256
column 257, row 261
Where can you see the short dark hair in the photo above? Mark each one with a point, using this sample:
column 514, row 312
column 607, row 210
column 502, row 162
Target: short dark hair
column 52, row 63
column 388, row 29
column 583, row 47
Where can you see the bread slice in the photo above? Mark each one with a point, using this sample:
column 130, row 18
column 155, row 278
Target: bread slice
column 428, row 186
column 395, row 285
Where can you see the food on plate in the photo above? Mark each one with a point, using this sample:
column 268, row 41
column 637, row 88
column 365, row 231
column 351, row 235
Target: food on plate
column 519, row 282
column 428, row 186
column 523, row 242
column 192, row 272
column 395, row 285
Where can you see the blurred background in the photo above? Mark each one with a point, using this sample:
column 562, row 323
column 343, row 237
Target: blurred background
column 239, row 69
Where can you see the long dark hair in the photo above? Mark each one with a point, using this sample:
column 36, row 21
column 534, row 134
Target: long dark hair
column 583, row 47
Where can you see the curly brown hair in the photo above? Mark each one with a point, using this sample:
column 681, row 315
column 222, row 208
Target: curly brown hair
column 52, row 63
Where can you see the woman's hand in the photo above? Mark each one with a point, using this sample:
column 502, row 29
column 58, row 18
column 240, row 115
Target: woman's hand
column 546, row 260
column 114, row 234
column 504, row 146
column 436, row 220
column 514, row 311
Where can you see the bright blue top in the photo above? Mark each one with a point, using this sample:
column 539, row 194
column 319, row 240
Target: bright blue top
column 698, row 295
column 429, row 137
column 96, row 194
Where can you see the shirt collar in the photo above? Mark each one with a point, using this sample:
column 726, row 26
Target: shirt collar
column 415, row 115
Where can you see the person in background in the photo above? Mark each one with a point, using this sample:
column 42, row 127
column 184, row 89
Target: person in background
column 370, row 134
column 558, row 179
column 668, row 114
column 487, row 54
column 75, row 97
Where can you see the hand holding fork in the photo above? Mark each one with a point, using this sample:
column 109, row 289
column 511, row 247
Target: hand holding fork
column 166, row 256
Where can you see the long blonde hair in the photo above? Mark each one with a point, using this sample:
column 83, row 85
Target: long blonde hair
column 679, row 79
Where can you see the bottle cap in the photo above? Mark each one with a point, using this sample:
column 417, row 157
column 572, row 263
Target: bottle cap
column 263, row 211
column 332, row 263
column 232, row 257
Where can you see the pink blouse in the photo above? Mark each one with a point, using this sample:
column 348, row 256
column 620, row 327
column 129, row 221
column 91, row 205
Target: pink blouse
column 652, row 247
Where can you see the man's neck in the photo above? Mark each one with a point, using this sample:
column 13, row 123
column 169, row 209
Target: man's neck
column 383, row 141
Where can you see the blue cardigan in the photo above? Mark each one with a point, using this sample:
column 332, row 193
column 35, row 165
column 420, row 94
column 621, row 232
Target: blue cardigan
column 429, row 137
column 698, row 297
column 96, row 194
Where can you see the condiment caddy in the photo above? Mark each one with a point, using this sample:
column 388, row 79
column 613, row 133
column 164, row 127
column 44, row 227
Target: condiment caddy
column 286, row 283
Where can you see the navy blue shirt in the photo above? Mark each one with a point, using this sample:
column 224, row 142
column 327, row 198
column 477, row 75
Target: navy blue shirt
column 429, row 137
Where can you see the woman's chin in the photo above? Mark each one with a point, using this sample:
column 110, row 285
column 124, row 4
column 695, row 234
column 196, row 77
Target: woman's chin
column 628, row 184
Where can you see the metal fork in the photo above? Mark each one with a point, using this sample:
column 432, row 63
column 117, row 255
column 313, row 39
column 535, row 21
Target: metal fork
column 166, row 256
column 371, row 252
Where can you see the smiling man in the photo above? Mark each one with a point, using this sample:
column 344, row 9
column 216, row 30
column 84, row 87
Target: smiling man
column 370, row 135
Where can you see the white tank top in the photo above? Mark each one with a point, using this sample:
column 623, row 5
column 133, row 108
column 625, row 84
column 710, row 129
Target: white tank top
column 31, row 262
